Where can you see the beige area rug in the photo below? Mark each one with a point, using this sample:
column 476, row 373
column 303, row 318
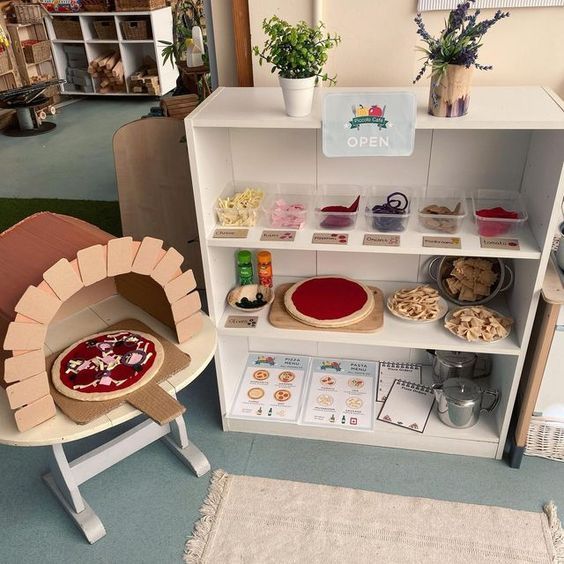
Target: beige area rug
column 262, row 521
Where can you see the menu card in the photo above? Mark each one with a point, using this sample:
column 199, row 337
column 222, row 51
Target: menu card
column 408, row 405
column 340, row 394
column 271, row 387
column 390, row 371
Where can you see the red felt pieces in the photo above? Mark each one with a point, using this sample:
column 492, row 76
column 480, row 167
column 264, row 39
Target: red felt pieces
column 350, row 209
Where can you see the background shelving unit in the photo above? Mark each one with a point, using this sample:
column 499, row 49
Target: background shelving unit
column 132, row 51
column 512, row 139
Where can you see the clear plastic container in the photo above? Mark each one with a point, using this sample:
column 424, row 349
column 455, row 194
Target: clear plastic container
column 287, row 206
column 337, row 195
column 241, row 214
column 441, row 222
column 388, row 222
column 498, row 226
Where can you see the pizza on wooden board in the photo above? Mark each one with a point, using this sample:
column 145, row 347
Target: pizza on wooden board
column 329, row 301
column 106, row 366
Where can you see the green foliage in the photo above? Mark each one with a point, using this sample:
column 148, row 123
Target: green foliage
column 296, row 51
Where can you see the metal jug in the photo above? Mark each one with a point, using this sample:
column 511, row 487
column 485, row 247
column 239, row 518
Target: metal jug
column 460, row 402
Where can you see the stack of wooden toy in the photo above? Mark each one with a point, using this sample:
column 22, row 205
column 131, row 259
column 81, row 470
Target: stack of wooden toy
column 108, row 72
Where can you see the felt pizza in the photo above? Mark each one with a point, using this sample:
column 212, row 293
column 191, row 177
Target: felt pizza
column 107, row 365
column 329, row 301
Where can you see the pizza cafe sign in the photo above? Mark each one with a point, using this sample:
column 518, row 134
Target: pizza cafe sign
column 369, row 124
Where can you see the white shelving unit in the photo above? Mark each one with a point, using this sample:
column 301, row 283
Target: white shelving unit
column 512, row 139
column 132, row 51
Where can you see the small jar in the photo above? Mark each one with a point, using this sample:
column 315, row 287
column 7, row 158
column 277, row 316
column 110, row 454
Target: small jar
column 244, row 268
column 264, row 267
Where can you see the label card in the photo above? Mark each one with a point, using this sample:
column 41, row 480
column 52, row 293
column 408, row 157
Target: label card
column 499, row 243
column 442, row 242
column 228, row 233
column 270, row 235
column 381, row 240
column 241, row 321
column 326, row 238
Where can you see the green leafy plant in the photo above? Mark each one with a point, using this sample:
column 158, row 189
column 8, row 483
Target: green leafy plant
column 296, row 51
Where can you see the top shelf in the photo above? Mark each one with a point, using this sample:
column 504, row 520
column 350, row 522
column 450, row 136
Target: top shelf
column 89, row 14
column 503, row 107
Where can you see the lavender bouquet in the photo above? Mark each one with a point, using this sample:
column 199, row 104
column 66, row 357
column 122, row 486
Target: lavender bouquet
column 459, row 41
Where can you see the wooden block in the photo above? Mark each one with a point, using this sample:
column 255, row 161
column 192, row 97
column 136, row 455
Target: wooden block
column 38, row 305
column 92, row 264
column 147, row 256
column 186, row 306
column 167, row 267
column 63, row 280
column 25, row 336
column 28, row 391
column 23, row 366
column 189, row 327
column 120, row 256
column 35, row 413
column 180, row 286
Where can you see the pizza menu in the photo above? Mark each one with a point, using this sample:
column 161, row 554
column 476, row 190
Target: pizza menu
column 341, row 394
column 271, row 387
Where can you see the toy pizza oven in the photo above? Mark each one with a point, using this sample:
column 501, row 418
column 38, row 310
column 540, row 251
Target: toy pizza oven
column 52, row 266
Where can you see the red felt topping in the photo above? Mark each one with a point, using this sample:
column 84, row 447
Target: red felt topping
column 495, row 228
column 329, row 298
column 498, row 212
column 350, row 209
column 107, row 363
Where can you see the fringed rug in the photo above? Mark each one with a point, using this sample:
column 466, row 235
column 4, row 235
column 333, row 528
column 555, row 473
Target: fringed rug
column 249, row 520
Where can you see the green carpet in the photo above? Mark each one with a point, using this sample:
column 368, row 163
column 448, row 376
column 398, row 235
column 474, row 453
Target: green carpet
column 104, row 215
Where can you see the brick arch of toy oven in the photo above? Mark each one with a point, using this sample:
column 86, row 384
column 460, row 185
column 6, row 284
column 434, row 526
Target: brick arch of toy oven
column 145, row 274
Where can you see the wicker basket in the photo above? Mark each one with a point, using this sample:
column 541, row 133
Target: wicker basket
column 37, row 52
column 65, row 28
column 5, row 65
column 139, row 5
column 135, row 29
column 28, row 13
column 98, row 5
column 546, row 439
column 105, row 29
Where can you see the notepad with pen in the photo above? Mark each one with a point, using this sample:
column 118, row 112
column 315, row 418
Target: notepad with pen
column 408, row 405
column 390, row 371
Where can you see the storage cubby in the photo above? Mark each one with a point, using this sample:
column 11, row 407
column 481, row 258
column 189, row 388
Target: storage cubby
column 513, row 139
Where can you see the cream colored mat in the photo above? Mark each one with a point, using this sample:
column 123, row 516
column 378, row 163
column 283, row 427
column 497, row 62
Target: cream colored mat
column 261, row 521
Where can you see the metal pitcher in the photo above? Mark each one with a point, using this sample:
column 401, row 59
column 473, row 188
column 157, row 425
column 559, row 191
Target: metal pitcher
column 460, row 402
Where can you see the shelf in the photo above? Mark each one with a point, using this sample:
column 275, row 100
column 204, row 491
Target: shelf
column 97, row 14
column 49, row 60
column 394, row 333
column 102, row 41
column 69, row 93
column 67, row 40
column 493, row 107
column 136, row 41
column 411, row 242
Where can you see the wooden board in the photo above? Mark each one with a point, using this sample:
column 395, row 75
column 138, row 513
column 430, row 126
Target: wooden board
column 279, row 317
column 151, row 398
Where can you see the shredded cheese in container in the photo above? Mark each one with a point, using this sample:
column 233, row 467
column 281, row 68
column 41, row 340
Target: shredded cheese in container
column 241, row 209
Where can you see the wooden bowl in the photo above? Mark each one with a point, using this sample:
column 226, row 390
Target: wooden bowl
column 250, row 291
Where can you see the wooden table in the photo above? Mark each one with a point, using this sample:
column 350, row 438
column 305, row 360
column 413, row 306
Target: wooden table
column 66, row 476
column 541, row 340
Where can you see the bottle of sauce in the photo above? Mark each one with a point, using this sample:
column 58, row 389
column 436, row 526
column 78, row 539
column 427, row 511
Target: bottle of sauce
column 244, row 268
column 264, row 266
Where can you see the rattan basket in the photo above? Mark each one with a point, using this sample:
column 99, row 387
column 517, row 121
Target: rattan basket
column 139, row 5
column 37, row 52
column 105, row 29
column 135, row 30
column 28, row 13
column 97, row 5
column 546, row 439
column 66, row 28
column 5, row 65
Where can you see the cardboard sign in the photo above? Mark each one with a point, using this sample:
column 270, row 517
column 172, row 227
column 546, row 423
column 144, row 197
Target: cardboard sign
column 272, row 235
column 369, row 124
column 442, row 242
column 241, row 322
column 225, row 233
column 326, row 238
column 381, row 240
column 499, row 243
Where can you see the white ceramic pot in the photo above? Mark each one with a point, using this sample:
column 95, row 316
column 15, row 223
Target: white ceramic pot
column 298, row 95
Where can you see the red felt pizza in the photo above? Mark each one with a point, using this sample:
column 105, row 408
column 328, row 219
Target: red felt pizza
column 329, row 301
column 107, row 365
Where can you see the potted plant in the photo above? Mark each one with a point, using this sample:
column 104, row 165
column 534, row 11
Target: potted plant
column 452, row 57
column 298, row 52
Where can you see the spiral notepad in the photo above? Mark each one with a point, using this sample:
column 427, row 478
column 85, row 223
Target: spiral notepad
column 390, row 371
column 408, row 405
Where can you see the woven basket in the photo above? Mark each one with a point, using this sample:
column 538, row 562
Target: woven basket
column 546, row 440
column 66, row 28
column 139, row 5
column 98, row 5
column 37, row 52
column 135, row 30
column 105, row 29
column 28, row 13
column 5, row 65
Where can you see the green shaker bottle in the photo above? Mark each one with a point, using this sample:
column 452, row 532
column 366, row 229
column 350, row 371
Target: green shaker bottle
column 244, row 268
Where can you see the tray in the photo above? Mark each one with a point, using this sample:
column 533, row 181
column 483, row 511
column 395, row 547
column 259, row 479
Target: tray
column 279, row 317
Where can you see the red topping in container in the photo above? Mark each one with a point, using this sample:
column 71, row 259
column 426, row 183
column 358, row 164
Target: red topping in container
column 495, row 228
